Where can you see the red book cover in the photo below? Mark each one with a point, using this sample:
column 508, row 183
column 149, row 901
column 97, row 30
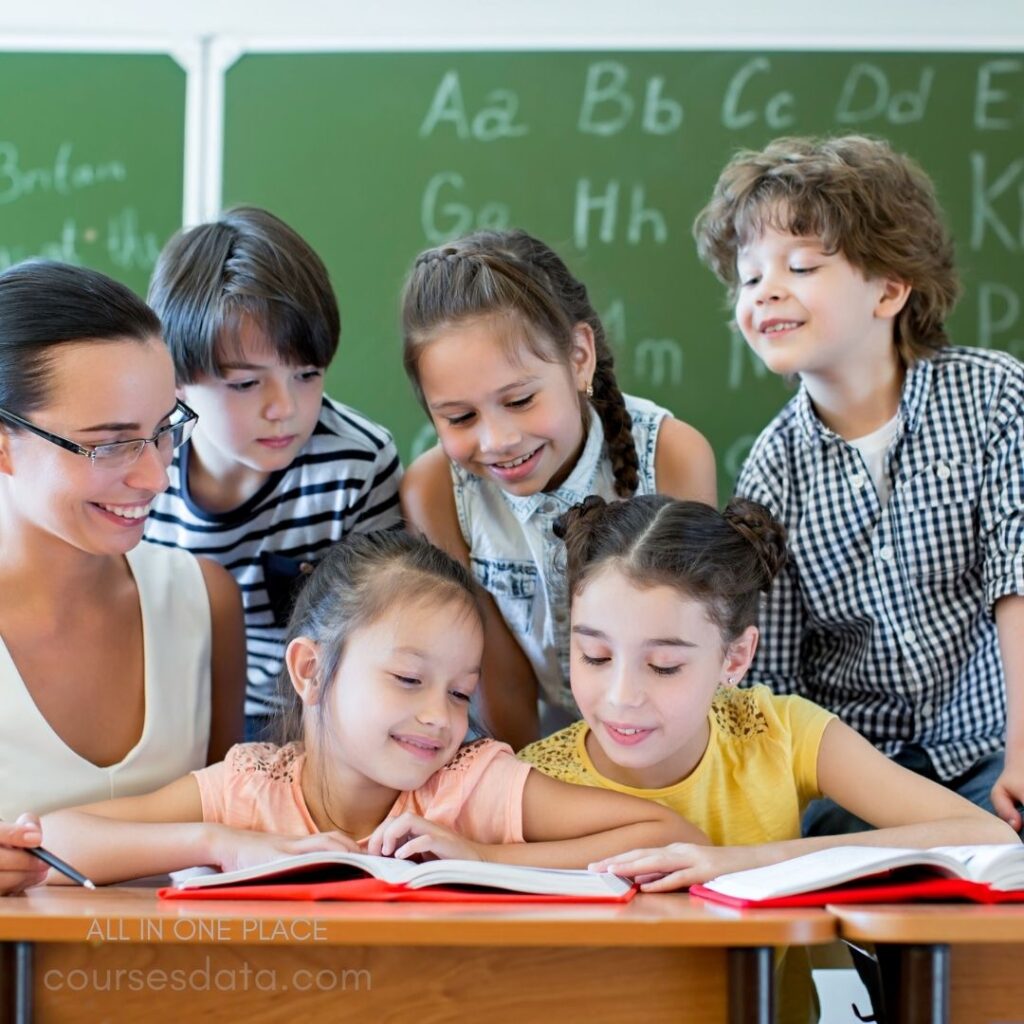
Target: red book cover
column 375, row 891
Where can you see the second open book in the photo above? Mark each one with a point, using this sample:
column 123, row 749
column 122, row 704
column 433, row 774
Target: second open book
column 360, row 876
column 877, row 874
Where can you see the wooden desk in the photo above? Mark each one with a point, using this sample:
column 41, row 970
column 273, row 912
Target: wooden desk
column 261, row 962
column 945, row 962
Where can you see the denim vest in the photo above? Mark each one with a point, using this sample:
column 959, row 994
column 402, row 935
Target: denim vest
column 515, row 556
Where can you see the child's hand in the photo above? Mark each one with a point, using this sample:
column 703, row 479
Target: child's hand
column 1008, row 792
column 231, row 849
column 677, row 866
column 19, row 870
column 409, row 835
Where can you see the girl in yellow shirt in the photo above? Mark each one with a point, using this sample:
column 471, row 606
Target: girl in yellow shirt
column 665, row 597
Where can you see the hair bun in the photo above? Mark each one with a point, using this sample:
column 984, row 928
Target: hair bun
column 755, row 523
column 566, row 525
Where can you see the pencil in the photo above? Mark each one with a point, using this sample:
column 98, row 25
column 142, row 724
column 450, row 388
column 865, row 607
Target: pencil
column 61, row 866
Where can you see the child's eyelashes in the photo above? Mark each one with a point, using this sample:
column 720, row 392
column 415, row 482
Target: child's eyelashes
column 306, row 376
column 658, row 670
column 406, row 680
column 464, row 418
column 462, row 698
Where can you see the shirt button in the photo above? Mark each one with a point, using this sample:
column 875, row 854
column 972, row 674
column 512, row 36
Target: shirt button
column 885, row 553
column 857, row 481
column 943, row 472
column 909, row 636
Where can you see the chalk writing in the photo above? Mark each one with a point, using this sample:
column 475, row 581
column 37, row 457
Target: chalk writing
column 442, row 219
column 63, row 176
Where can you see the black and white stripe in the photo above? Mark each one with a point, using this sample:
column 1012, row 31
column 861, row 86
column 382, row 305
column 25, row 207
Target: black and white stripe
column 884, row 615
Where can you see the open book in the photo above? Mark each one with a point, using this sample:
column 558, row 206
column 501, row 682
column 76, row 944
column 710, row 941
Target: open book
column 361, row 876
column 876, row 874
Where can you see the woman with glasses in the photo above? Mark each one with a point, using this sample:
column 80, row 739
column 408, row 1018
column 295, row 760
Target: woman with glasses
column 122, row 664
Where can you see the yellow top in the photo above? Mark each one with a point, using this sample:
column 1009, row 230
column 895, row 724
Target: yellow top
column 759, row 771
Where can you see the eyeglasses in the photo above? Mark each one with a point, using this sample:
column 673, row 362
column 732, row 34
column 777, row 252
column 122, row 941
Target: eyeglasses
column 121, row 454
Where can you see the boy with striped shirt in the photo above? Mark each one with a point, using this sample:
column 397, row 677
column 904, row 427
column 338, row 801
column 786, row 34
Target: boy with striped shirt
column 275, row 472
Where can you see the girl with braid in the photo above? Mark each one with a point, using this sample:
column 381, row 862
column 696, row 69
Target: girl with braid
column 510, row 362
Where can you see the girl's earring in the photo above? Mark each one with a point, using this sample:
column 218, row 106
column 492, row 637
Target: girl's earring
column 731, row 680
column 590, row 390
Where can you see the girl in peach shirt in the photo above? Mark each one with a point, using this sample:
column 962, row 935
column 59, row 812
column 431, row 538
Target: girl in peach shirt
column 383, row 657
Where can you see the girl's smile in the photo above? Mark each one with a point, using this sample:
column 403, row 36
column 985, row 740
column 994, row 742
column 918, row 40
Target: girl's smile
column 500, row 411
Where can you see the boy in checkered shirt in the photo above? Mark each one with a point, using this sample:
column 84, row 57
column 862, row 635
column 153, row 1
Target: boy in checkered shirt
column 897, row 469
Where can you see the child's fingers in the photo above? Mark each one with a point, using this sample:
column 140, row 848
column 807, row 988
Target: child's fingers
column 392, row 833
column 1005, row 805
column 417, row 846
column 620, row 859
column 645, row 862
column 670, row 883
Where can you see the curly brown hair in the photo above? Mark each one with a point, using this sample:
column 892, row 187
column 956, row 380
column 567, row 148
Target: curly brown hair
column 514, row 275
column 862, row 199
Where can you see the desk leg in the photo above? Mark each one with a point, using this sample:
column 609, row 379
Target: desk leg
column 751, row 985
column 16, row 991
column 915, row 983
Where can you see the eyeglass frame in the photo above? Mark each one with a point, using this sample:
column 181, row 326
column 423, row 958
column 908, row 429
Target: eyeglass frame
column 191, row 416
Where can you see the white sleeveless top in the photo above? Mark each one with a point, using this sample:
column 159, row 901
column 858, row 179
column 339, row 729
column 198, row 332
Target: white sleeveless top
column 40, row 773
column 517, row 559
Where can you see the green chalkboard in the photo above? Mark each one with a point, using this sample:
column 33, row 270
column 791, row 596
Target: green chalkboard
column 91, row 159
column 607, row 156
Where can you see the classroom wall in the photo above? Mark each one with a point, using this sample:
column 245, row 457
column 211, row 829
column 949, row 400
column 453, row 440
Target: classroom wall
column 906, row 23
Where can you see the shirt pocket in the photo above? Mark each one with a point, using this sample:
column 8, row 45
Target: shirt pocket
column 937, row 533
column 513, row 585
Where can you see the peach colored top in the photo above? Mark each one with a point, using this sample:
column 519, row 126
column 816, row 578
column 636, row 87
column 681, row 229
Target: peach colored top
column 478, row 794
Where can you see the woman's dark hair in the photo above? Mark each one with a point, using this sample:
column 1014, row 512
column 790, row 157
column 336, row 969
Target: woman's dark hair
column 43, row 305
column 357, row 580
column 249, row 265
column 514, row 276
column 721, row 559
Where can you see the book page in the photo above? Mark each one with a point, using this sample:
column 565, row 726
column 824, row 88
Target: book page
column 826, row 868
column 1002, row 866
column 517, row 878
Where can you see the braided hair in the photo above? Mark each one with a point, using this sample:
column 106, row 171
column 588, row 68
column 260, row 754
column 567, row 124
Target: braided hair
column 511, row 273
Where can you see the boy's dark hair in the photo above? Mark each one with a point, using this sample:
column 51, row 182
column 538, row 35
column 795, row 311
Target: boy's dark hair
column 513, row 276
column 43, row 305
column 721, row 559
column 357, row 580
column 875, row 206
column 249, row 265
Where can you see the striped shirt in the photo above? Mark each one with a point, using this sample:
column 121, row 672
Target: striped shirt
column 884, row 614
column 343, row 480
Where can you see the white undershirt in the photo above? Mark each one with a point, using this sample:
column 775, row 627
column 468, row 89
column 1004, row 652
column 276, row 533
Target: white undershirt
column 872, row 448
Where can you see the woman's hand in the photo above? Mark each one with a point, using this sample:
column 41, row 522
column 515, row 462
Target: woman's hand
column 679, row 865
column 232, row 849
column 18, row 869
column 409, row 836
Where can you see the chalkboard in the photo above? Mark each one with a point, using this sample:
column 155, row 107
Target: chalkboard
column 91, row 159
column 608, row 157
